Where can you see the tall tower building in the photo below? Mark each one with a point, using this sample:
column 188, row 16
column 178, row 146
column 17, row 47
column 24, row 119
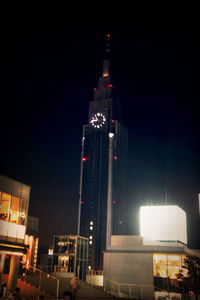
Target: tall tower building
column 102, row 206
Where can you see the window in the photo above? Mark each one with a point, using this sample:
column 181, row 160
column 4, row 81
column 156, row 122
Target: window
column 167, row 265
column 22, row 212
column 5, row 206
column 14, row 210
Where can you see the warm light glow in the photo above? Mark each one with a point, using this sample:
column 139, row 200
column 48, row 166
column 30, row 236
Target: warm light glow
column 12, row 216
column 12, row 253
column 50, row 251
column 12, row 246
column 168, row 265
column 164, row 223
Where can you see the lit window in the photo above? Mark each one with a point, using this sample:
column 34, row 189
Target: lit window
column 89, row 267
column 90, row 242
column 5, row 206
column 50, row 252
column 91, row 222
column 91, row 227
column 167, row 265
column 90, row 237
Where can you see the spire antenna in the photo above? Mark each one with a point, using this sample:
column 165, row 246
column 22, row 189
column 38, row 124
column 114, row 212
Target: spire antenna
column 108, row 43
column 106, row 62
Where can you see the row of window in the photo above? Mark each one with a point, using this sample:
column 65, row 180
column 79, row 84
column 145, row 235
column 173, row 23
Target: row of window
column 168, row 265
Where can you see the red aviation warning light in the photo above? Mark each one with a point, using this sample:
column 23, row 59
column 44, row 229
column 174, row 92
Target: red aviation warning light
column 108, row 35
column 115, row 157
column 81, row 202
column 114, row 202
column 84, row 158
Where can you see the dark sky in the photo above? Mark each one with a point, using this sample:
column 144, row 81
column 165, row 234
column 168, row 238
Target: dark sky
column 50, row 67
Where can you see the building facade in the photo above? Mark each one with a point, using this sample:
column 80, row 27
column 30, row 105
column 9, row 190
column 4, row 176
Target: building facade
column 31, row 240
column 70, row 256
column 14, row 203
column 135, row 267
column 103, row 169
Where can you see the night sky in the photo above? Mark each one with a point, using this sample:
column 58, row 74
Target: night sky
column 50, row 68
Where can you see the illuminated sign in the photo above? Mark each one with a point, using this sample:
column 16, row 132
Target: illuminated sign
column 163, row 223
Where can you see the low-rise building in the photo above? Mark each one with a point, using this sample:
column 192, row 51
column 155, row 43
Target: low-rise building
column 146, row 268
column 70, row 256
column 14, row 204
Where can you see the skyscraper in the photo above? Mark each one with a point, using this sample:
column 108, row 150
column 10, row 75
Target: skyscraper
column 103, row 168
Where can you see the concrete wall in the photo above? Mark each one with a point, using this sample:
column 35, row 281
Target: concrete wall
column 130, row 268
column 126, row 241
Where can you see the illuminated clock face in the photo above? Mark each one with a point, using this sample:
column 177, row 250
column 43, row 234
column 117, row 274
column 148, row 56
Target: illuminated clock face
column 98, row 120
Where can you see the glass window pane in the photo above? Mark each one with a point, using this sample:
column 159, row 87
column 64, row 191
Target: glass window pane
column 174, row 265
column 14, row 210
column 5, row 206
column 22, row 212
column 160, row 265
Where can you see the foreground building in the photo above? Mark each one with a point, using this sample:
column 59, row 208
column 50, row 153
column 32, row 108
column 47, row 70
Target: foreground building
column 14, row 204
column 138, row 267
column 146, row 266
column 103, row 169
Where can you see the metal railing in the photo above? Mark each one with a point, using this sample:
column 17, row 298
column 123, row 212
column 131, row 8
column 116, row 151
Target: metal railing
column 40, row 279
column 126, row 290
column 94, row 272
